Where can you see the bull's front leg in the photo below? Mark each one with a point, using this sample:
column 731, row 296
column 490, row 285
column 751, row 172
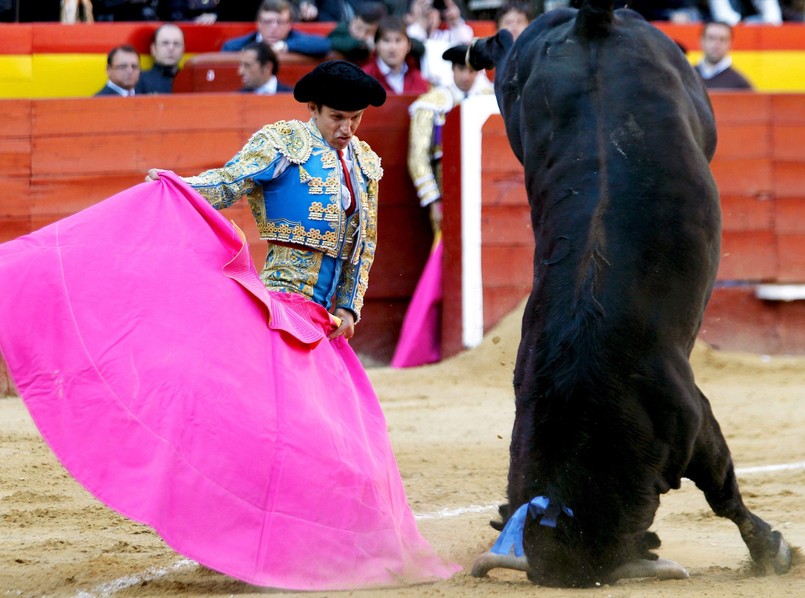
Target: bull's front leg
column 712, row 470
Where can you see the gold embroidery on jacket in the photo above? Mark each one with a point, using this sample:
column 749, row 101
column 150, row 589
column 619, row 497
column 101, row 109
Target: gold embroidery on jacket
column 332, row 212
column 291, row 269
column 292, row 139
column 329, row 159
column 332, row 186
column 316, row 185
column 316, row 211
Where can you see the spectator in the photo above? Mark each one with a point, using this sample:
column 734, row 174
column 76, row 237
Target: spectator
column 746, row 11
column 390, row 65
column 793, row 10
column 334, row 11
column 355, row 40
column 8, row 11
column 438, row 24
column 274, row 27
column 123, row 70
column 428, row 114
column 125, row 10
column 398, row 8
column 515, row 16
column 238, row 10
column 167, row 49
column 258, row 70
column 201, row 12
column 674, row 11
column 438, row 20
column 22, row 11
column 419, row 341
column 543, row 6
column 72, row 11
column 715, row 67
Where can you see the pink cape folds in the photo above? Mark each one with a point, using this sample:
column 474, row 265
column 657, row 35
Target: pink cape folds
column 184, row 395
column 420, row 337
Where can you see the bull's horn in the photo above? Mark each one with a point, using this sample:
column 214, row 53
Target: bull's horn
column 661, row 568
column 489, row 560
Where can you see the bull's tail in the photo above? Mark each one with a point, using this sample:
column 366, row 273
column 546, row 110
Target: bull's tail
column 594, row 19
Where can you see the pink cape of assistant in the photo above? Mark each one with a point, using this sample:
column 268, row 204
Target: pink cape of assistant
column 420, row 336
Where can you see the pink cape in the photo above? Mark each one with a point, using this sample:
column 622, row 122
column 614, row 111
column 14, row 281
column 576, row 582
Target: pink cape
column 420, row 338
column 184, row 395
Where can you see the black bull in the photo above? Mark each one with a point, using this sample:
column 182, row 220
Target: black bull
column 615, row 132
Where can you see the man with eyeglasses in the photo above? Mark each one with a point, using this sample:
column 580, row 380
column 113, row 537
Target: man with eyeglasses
column 123, row 70
column 274, row 27
column 167, row 50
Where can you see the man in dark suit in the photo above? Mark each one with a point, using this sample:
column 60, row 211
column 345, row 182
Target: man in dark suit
column 167, row 50
column 274, row 27
column 258, row 70
column 123, row 70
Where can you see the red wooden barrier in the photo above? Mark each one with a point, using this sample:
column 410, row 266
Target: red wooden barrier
column 60, row 156
column 759, row 167
column 218, row 71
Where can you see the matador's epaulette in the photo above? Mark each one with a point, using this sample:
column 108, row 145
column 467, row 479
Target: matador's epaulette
column 368, row 160
column 291, row 138
column 438, row 99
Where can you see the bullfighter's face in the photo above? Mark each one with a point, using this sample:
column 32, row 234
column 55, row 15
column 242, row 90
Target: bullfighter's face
column 336, row 126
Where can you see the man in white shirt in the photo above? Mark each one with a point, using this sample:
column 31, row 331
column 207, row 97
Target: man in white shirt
column 735, row 11
column 123, row 70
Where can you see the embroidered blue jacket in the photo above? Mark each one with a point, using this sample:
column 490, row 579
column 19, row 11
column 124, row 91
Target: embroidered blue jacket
column 291, row 178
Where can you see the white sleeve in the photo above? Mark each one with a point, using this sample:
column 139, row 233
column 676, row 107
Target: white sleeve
column 769, row 11
column 721, row 10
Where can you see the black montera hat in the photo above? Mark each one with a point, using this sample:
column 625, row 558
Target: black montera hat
column 341, row 85
column 457, row 54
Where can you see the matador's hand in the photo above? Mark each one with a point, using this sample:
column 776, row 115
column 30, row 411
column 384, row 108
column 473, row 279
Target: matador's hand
column 347, row 326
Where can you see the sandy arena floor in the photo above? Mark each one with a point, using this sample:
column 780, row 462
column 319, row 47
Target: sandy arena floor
column 450, row 427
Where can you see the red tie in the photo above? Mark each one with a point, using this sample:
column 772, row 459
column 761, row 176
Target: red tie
column 348, row 180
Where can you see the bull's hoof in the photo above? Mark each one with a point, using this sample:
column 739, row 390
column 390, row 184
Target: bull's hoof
column 766, row 562
column 489, row 560
column 661, row 569
column 781, row 562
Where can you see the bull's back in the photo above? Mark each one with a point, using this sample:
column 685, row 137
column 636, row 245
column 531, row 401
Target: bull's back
column 616, row 135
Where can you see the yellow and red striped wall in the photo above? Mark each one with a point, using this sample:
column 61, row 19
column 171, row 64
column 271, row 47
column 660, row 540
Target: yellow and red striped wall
column 41, row 60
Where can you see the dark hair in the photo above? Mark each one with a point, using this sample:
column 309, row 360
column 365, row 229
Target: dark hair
column 264, row 55
column 524, row 8
column 124, row 48
column 720, row 24
column 371, row 12
column 276, row 6
column 390, row 24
